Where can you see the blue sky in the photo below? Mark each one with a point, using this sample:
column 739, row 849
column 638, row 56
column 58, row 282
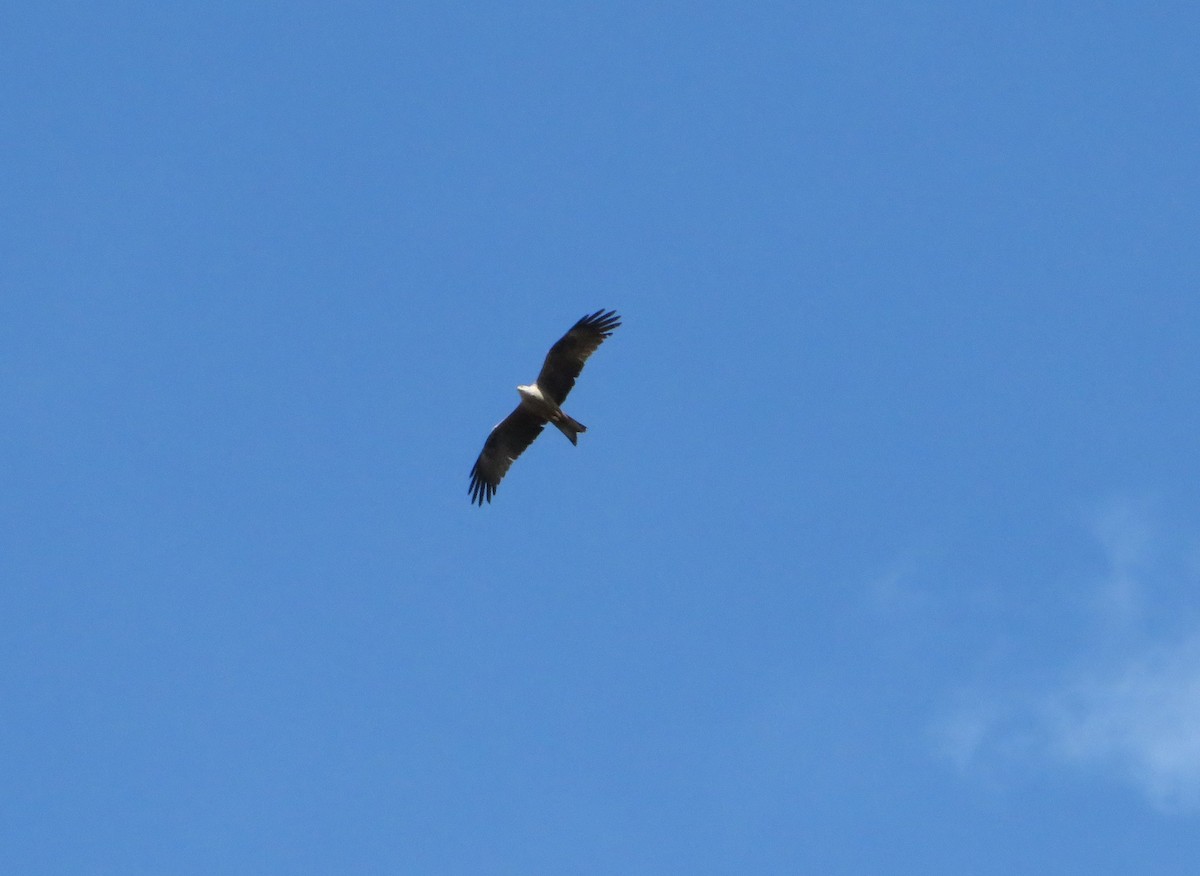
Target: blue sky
column 880, row 554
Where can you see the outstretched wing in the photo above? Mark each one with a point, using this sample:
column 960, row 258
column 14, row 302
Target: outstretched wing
column 508, row 441
column 565, row 359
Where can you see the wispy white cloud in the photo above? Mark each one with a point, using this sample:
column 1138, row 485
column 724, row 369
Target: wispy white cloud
column 1125, row 535
column 1129, row 706
column 1139, row 721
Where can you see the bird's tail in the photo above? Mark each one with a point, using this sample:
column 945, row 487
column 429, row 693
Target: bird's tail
column 569, row 427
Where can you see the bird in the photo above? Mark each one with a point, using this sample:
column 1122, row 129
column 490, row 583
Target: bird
column 541, row 403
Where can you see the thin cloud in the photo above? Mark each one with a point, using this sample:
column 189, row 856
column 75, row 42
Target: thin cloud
column 1129, row 711
column 1124, row 533
column 1141, row 722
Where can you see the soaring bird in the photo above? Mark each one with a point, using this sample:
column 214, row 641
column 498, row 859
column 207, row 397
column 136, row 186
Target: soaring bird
column 540, row 404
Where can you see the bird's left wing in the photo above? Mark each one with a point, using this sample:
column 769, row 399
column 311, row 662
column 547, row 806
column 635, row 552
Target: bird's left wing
column 506, row 442
column 565, row 359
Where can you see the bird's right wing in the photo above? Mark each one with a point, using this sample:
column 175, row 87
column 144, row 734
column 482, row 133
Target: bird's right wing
column 506, row 442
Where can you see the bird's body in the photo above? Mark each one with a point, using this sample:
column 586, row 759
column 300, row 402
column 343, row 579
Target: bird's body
column 541, row 403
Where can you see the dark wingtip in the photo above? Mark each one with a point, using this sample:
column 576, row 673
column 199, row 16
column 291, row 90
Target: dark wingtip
column 479, row 489
column 604, row 321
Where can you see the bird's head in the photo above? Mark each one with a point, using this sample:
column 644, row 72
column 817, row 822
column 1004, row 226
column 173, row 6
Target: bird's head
column 530, row 392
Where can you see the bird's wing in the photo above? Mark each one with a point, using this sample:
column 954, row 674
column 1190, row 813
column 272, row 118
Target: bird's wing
column 565, row 359
column 506, row 442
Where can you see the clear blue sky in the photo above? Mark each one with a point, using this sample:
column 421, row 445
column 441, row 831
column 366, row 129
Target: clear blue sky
column 881, row 553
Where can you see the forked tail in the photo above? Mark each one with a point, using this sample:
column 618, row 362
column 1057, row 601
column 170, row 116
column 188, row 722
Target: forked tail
column 570, row 427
